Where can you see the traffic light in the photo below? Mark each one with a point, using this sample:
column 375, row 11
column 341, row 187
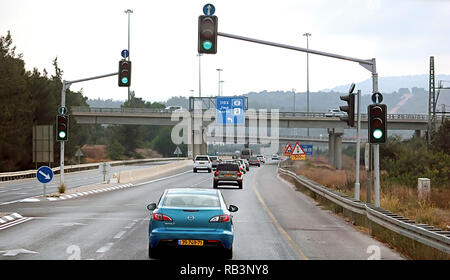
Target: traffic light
column 207, row 34
column 349, row 108
column 124, row 73
column 377, row 123
column 62, row 127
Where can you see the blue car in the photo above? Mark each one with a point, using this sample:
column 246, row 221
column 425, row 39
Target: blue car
column 191, row 218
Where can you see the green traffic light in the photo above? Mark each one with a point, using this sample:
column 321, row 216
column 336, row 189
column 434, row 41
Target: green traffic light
column 124, row 80
column 377, row 134
column 62, row 134
column 207, row 45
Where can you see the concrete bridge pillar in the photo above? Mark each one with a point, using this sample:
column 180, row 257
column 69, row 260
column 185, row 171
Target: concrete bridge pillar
column 335, row 147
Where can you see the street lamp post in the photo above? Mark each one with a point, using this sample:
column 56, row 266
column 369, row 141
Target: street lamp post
column 199, row 76
column 307, row 76
column 293, row 91
column 219, row 70
column 221, row 87
column 128, row 12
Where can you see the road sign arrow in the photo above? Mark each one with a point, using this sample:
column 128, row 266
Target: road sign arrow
column 47, row 176
column 15, row 252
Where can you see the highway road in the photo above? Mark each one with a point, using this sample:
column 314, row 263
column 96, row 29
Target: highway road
column 11, row 191
column 274, row 222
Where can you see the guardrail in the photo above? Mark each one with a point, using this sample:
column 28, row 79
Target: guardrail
column 281, row 114
column 8, row 176
column 417, row 234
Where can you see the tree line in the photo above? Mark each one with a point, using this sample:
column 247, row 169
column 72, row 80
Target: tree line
column 31, row 98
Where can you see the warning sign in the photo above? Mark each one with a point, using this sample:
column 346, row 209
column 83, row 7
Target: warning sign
column 298, row 153
column 288, row 150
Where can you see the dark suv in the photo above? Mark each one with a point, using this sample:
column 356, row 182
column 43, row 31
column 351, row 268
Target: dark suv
column 254, row 161
column 227, row 173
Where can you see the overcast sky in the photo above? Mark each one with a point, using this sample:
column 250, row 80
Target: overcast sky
column 88, row 37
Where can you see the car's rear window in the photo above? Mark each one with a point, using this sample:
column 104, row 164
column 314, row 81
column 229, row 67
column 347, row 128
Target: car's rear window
column 254, row 158
column 201, row 158
column 212, row 158
column 191, row 200
column 228, row 167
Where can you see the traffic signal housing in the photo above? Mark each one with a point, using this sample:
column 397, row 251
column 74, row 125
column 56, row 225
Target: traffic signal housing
column 124, row 73
column 62, row 128
column 207, row 34
column 377, row 114
column 349, row 109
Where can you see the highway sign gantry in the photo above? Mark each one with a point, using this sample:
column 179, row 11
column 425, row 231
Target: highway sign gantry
column 230, row 110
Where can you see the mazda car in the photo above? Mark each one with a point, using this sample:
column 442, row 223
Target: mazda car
column 191, row 218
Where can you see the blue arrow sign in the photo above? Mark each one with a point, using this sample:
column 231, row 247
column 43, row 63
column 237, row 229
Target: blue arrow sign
column 209, row 9
column 230, row 110
column 125, row 53
column 44, row 174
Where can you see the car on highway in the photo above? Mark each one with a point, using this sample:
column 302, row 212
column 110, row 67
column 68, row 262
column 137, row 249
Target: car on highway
column 202, row 162
column 191, row 218
column 228, row 173
column 173, row 108
column 334, row 113
column 261, row 158
column 242, row 165
column 254, row 161
column 214, row 161
column 247, row 165
column 275, row 157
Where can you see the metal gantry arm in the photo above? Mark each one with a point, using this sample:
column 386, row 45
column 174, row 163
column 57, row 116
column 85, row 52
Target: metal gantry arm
column 369, row 64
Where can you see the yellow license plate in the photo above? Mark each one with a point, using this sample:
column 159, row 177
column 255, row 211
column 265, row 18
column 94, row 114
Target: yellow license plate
column 228, row 175
column 202, row 163
column 190, row 242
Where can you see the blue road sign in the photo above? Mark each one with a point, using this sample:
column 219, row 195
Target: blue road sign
column 44, row 174
column 209, row 9
column 125, row 53
column 230, row 110
column 308, row 149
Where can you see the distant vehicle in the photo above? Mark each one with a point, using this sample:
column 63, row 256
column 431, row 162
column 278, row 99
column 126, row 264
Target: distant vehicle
column 246, row 153
column 174, row 108
column 202, row 162
column 254, row 161
column 227, row 173
column 334, row 113
column 191, row 218
column 247, row 165
column 261, row 158
column 243, row 165
column 275, row 157
column 214, row 161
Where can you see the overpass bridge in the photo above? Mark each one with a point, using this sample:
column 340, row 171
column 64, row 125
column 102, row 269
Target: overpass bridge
column 199, row 120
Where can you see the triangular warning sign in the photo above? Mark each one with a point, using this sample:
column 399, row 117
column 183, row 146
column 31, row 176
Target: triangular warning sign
column 288, row 150
column 298, row 153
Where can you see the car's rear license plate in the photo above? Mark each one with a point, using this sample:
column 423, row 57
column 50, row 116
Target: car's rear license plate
column 202, row 163
column 228, row 175
column 190, row 242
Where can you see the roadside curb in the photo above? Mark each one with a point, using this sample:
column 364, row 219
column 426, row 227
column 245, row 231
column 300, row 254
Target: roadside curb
column 78, row 194
column 9, row 218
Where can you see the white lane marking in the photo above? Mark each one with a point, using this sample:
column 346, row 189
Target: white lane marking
column 15, row 252
column 16, row 222
column 105, row 248
column 130, row 225
column 120, row 234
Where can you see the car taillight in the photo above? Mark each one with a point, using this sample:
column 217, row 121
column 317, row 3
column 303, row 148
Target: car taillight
column 161, row 217
column 216, row 173
column 220, row 219
column 239, row 174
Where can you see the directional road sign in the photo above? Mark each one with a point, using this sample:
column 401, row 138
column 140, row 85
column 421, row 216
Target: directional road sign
column 308, row 149
column 125, row 53
column 209, row 9
column 230, row 110
column 44, row 174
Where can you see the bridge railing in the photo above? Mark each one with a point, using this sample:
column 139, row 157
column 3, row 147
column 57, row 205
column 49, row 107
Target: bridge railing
column 281, row 114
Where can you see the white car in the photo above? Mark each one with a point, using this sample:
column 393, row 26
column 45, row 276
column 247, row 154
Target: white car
column 275, row 157
column 202, row 162
column 334, row 113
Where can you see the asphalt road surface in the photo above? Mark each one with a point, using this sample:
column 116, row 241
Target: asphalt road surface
column 274, row 222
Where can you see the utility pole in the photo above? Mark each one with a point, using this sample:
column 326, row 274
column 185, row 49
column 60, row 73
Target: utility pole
column 129, row 12
column 358, row 146
column 219, row 70
column 293, row 91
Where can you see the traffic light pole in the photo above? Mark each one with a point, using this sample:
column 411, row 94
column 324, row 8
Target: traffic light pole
column 358, row 145
column 66, row 85
column 367, row 64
